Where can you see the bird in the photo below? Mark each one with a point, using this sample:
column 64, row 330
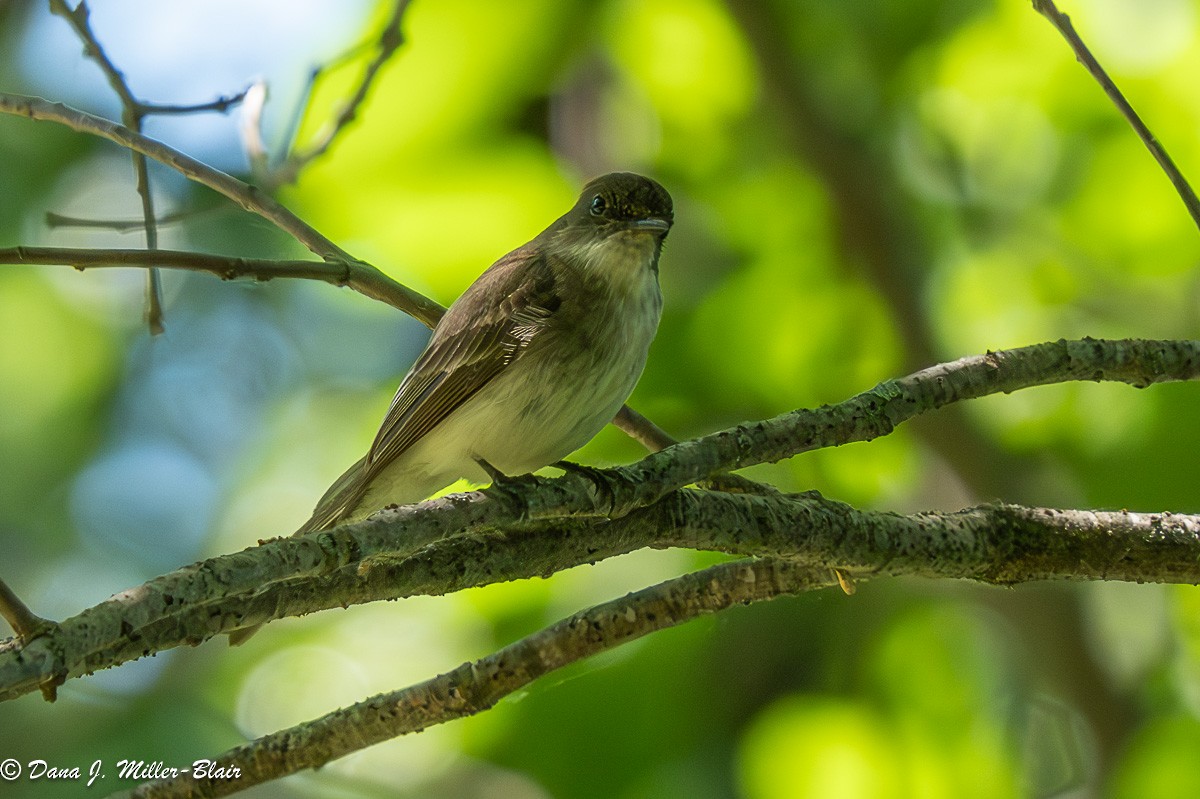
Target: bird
column 529, row 363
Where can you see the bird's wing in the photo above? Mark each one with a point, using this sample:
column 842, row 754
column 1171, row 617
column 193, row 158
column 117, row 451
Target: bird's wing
column 472, row 344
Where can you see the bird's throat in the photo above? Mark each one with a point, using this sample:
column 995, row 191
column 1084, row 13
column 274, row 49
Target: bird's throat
column 625, row 263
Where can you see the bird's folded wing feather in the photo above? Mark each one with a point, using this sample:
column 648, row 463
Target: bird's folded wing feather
column 472, row 344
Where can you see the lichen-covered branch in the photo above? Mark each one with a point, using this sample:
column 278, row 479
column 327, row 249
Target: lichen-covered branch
column 536, row 525
column 474, row 687
column 806, row 537
column 876, row 412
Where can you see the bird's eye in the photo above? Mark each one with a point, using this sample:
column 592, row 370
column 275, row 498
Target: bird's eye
column 598, row 205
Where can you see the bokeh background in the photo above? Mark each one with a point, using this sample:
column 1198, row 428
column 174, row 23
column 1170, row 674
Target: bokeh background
column 862, row 188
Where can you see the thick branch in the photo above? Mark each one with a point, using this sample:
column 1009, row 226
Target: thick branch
column 477, row 686
column 395, row 552
column 872, row 414
column 998, row 543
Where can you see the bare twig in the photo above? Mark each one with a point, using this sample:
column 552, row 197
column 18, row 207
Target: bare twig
column 250, row 129
column 474, row 687
column 55, row 220
column 654, row 439
column 78, row 18
column 371, row 282
column 220, row 105
column 132, row 114
column 387, row 42
column 226, row 267
column 1062, row 23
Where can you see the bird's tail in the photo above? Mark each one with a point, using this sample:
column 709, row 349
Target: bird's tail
column 339, row 500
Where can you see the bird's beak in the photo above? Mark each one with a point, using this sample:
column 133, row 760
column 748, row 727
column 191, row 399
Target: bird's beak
column 653, row 224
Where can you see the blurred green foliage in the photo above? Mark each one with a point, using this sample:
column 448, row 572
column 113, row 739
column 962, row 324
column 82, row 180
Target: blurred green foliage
column 862, row 188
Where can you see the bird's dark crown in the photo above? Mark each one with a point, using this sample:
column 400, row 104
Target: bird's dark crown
column 627, row 196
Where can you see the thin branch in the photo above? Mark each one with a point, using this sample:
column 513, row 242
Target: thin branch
column 371, row 283
column 580, row 517
column 356, row 275
column 248, row 197
column 221, row 105
column 1062, row 23
column 654, row 439
column 352, row 274
column 154, row 307
column 477, row 686
column 55, row 220
column 389, row 40
column 79, row 21
column 250, row 129
column 132, row 114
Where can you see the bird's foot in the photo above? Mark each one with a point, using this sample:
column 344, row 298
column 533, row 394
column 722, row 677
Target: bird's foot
column 492, row 472
column 598, row 477
column 577, row 468
column 500, row 479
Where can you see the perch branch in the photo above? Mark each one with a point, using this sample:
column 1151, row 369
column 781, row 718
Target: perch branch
column 352, row 563
column 995, row 543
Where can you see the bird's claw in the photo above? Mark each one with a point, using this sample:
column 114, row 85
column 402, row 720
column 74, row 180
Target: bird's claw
column 598, row 478
column 500, row 479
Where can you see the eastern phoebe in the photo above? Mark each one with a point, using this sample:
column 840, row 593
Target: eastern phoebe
column 529, row 363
